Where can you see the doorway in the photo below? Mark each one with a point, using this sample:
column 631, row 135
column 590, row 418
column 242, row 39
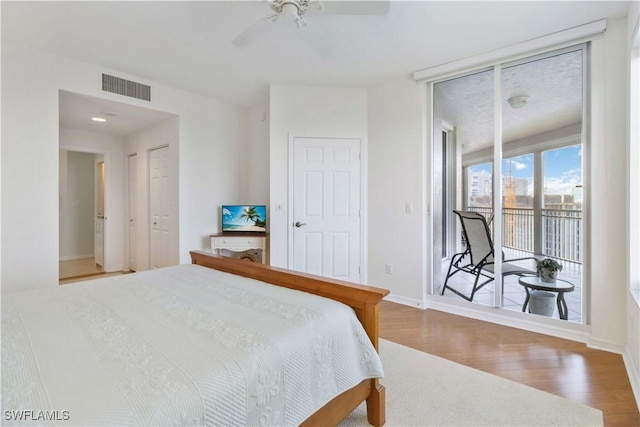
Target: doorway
column 81, row 213
column 123, row 130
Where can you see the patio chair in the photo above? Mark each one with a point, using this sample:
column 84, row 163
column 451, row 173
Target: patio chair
column 477, row 258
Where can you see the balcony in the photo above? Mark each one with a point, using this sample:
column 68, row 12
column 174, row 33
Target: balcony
column 559, row 235
column 559, row 238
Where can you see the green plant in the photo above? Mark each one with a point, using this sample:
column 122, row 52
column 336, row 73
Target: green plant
column 548, row 264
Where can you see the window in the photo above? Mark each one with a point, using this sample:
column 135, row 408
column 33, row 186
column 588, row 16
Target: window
column 480, row 186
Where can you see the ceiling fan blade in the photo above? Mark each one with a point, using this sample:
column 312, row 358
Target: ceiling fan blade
column 301, row 23
column 271, row 3
column 356, row 7
column 315, row 6
column 272, row 18
column 254, row 30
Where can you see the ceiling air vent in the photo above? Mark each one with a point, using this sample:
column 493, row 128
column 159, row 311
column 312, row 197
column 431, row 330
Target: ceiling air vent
column 126, row 87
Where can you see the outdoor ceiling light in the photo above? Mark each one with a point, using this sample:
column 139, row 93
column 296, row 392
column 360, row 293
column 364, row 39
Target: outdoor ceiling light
column 517, row 102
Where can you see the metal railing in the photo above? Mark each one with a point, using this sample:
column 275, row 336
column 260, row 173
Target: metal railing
column 558, row 234
column 561, row 236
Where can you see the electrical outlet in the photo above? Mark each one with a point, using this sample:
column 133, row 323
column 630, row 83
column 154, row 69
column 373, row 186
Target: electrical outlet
column 389, row 268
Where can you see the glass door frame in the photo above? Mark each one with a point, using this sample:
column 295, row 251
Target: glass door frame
column 431, row 128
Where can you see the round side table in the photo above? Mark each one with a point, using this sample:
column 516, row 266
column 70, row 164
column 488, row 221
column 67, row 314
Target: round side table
column 560, row 286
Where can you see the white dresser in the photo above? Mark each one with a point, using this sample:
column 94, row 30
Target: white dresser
column 240, row 243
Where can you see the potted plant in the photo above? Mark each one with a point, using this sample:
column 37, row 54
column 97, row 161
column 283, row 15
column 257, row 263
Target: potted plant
column 548, row 269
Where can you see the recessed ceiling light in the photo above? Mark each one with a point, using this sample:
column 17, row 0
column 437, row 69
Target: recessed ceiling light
column 98, row 119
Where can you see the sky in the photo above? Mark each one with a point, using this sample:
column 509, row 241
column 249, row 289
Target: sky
column 562, row 170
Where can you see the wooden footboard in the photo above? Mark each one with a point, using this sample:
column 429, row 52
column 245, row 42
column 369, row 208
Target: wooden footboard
column 364, row 301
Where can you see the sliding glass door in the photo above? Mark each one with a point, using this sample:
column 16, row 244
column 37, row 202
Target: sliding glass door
column 518, row 132
column 466, row 100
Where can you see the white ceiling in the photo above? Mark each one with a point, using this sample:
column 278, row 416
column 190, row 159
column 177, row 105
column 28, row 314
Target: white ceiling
column 76, row 112
column 188, row 44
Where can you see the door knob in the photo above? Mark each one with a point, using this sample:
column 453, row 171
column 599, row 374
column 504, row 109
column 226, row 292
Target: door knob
column 299, row 224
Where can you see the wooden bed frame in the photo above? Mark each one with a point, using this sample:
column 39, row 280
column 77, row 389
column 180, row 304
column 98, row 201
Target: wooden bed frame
column 364, row 301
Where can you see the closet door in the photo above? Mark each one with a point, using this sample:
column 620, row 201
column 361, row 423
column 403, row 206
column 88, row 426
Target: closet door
column 159, row 208
column 100, row 213
column 133, row 181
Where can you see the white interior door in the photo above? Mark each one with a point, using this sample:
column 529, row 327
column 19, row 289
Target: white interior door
column 100, row 213
column 160, row 221
column 133, row 174
column 99, row 242
column 326, row 207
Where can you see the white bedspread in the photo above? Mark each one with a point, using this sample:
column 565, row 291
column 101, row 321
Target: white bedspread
column 184, row 345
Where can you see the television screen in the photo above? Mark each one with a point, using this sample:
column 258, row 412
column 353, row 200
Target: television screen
column 244, row 218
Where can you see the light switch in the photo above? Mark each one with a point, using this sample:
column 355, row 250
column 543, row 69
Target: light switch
column 408, row 208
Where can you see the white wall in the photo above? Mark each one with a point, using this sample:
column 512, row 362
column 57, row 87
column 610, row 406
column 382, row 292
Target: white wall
column 77, row 203
column 632, row 354
column 304, row 111
column 257, row 154
column 607, row 265
column 396, row 171
column 211, row 169
column 210, row 149
column 164, row 134
column 111, row 147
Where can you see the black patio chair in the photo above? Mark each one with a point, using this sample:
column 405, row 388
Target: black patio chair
column 477, row 258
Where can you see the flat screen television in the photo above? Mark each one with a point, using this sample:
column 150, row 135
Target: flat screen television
column 244, row 219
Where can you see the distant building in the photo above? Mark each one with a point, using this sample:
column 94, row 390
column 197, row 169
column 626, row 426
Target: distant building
column 516, row 193
column 480, row 184
column 480, row 187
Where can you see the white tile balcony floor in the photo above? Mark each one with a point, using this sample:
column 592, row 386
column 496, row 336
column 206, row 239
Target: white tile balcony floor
column 514, row 293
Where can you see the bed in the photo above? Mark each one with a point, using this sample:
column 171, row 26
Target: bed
column 208, row 343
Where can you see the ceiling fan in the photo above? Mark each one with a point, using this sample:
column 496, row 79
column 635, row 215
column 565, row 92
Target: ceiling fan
column 298, row 11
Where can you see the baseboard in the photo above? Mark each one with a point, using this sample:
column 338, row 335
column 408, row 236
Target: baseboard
column 542, row 325
column 599, row 344
column 633, row 374
column 75, row 257
column 406, row 301
column 114, row 268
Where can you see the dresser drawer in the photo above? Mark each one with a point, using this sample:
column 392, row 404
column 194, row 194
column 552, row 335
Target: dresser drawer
column 239, row 244
column 239, row 241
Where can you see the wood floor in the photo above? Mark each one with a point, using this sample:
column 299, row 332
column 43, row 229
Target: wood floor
column 78, row 267
column 561, row 367
column 80, row 270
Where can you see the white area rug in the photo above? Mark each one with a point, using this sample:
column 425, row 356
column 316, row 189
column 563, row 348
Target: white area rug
column 425, row 390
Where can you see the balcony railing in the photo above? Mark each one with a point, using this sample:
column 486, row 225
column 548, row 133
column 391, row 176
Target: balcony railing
column 558, row 234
